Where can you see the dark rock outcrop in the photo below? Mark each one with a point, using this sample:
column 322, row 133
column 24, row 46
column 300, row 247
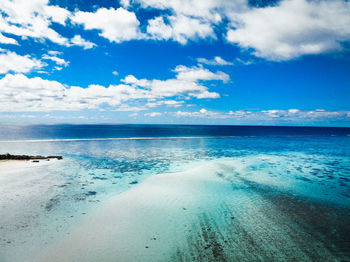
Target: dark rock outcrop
column 27, row 157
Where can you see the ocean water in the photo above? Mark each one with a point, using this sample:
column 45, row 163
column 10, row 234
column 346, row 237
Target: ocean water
column 288, row 187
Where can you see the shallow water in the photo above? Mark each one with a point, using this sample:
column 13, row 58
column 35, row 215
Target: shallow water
column 289, row 196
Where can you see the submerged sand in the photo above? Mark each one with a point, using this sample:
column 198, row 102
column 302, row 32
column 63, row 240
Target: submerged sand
column 204, row 215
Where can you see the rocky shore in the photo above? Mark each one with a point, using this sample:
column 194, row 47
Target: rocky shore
column 27, row 157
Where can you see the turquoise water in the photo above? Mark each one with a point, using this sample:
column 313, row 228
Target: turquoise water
column 306, row 177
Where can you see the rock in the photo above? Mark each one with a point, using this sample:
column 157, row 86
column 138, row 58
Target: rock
column 27, row 157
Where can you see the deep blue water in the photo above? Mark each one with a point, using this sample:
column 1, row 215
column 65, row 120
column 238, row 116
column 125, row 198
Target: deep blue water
column 18, row 132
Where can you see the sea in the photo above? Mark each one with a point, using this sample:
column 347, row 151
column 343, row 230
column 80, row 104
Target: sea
column 294, row 179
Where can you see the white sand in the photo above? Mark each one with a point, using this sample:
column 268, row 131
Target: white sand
column 156, row 214
column 197, row 215
column 13, row 166
column 25, row 188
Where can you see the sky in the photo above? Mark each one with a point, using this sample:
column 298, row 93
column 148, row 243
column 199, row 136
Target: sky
column 242, row 62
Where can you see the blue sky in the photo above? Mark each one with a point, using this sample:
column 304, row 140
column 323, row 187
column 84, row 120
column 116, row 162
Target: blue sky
column 281, row 62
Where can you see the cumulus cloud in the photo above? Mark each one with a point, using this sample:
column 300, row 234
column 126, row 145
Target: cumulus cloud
column 7, row 40
column 284, row 31
column 20, row 93
column 79, row 41
column 199, row 73
column 32, row 19
column 216, row 61
column 56, row 59
column 54, row 52
column 127, row 108
column 12, row 62
column 211, row 10
column 153, row 114
column 187, row 83
column 179, row 28
column 290, row 115
column 172, row 87
column 169, row 103
column 292, row 28
column 116, row 25
column 176, row 87
column 203, row 113
column 186, row 20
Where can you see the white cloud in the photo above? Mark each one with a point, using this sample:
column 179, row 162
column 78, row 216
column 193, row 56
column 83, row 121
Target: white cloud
column 180, row 29
column 186, row 83
column 172, row 87
column 16, row 116
column 244, row 62
column 125, row 3
column 12, row 62
column 55, row 13
column 216, row 61
column 209, row 9
column 32, row 19
column 79, row 41
column 158, row 30
column 116, row 25
column 199, row 73
column 7, row 40
column 153, row 114
column 126, row 108
column 115, row 73
column 294, row 111
column 203, row 113
column 291, row 115
column 176, row 87
column 42, row 72
column 173, row 103
column 292, row 28
column 57, row 60
column 287, row 30
column 169, row 103
column 130, row 79
column 54, row 53
column 134, row 115
column 20, row 93
column 186, row 19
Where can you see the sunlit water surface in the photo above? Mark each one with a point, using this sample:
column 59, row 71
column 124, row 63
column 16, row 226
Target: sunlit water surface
column 305, row 177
